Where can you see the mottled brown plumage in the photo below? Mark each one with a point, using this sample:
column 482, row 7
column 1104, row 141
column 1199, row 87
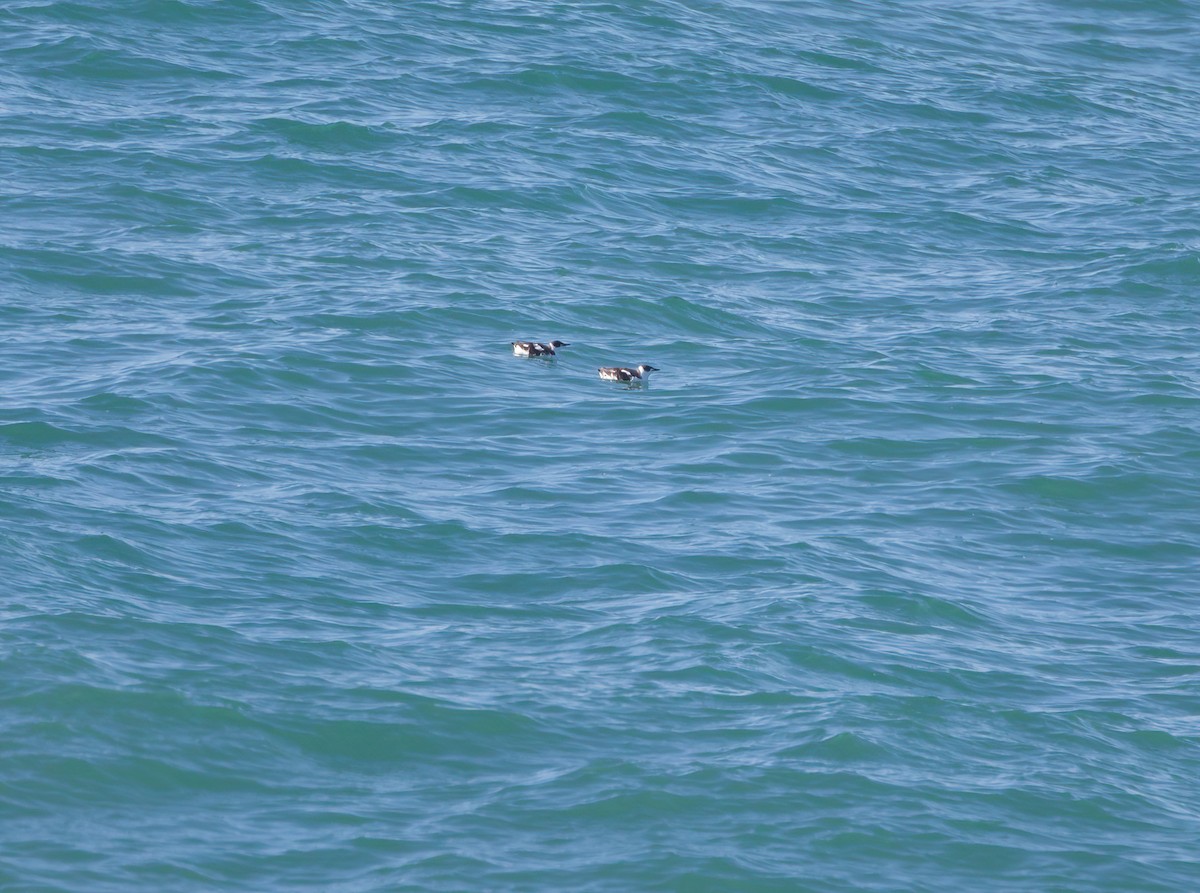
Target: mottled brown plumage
column 536, row 348
column 626, row 373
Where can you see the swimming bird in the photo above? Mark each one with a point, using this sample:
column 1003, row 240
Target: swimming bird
column 624, row 373
column 536, row 348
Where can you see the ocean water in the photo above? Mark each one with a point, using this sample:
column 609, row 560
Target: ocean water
column 887, row 582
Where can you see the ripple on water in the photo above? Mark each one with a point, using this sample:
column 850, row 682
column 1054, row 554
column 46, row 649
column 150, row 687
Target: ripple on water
column 311, row 584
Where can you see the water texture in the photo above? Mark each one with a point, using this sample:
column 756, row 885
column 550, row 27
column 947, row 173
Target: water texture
column 887, row 582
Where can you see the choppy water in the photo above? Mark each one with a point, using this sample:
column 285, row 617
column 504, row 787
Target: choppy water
column 887, row 582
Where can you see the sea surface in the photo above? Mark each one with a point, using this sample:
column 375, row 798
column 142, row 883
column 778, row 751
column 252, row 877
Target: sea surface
column 889, row 581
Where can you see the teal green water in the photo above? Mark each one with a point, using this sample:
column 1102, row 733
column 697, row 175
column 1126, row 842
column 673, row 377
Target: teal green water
column 888, row 581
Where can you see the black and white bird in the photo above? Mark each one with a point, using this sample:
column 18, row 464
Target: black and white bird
column 536, row 348
column 625, row 373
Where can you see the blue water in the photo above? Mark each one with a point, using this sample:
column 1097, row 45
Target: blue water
column 887, row 582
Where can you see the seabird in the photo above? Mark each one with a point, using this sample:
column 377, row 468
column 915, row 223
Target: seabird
column 536, row 348
column 624, row 373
